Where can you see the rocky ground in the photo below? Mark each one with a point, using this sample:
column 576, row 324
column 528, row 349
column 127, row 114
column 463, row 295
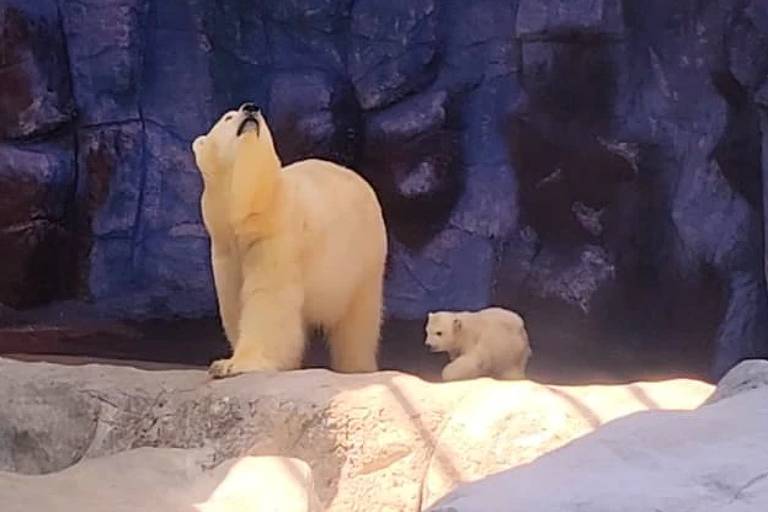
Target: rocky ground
column 714, row 458
column 77, row 437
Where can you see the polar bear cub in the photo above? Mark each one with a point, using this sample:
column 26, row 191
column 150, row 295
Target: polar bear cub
column 491, row 342
column 292, row 248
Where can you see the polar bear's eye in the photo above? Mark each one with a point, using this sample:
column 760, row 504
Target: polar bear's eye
column 439, row 333
column 228, row 118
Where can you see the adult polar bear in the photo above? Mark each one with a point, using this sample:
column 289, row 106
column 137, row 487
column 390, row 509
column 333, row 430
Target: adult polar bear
column 292, row 247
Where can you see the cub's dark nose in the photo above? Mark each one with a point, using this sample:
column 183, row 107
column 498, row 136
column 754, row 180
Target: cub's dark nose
column 249, row 108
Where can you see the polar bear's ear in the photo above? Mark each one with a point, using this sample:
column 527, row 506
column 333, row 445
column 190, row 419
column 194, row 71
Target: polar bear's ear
column 203, row 156
column 198, row 144
column 457, row 324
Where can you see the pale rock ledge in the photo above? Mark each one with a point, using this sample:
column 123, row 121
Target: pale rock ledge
column 80, row 437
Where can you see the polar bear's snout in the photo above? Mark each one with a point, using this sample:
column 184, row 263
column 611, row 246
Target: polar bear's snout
column 433, row 343
column 249, row 108
column 251, row 115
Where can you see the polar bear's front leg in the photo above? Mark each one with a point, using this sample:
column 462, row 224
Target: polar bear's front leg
column 228, row 281
column 271, row 333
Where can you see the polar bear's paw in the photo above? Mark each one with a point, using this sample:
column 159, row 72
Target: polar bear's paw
column 223, row 368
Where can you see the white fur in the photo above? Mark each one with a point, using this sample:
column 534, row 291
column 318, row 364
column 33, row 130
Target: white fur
column 292, row 248
column 490, row 342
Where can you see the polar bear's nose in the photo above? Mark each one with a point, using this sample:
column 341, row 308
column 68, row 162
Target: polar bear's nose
column 249, row 108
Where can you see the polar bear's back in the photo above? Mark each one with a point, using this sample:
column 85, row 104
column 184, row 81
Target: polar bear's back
column 344, row 241
column 328, row 177
column 331, row 197
column 505, row 317
column 503, row 336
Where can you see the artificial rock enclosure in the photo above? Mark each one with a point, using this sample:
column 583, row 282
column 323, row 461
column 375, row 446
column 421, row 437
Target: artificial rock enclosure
column 596, row 165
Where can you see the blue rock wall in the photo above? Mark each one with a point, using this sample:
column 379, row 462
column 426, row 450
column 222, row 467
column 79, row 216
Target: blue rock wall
column 596, row 164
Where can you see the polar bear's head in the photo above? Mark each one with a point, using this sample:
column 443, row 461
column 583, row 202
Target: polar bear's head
column 217, row 151
column 443, row 330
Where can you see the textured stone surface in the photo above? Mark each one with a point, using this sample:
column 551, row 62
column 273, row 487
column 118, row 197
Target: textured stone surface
column 559, row 18
column 498, row 428
column 38, row 184
column 595, row 162
column 105, row 41
column 316, row 116
column 166, row 479
column 410, row 156
column 384, row 441
column 747, row 375
column 35, row 92
column 393, row 49
column 712, row 458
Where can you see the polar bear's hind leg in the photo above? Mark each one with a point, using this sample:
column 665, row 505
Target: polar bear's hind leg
column 354, row 340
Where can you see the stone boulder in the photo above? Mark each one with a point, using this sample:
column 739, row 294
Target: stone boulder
column 750, row 374
column 713, row 458
column 167, row 480
column 385, row 441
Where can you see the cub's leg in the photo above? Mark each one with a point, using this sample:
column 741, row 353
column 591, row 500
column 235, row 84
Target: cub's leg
column 516, row 367
column 466, row 366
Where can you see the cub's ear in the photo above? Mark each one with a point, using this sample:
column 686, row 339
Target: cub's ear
column 456, row 324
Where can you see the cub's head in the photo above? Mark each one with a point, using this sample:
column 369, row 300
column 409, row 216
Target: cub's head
column 217, row 151
column 443, row 329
